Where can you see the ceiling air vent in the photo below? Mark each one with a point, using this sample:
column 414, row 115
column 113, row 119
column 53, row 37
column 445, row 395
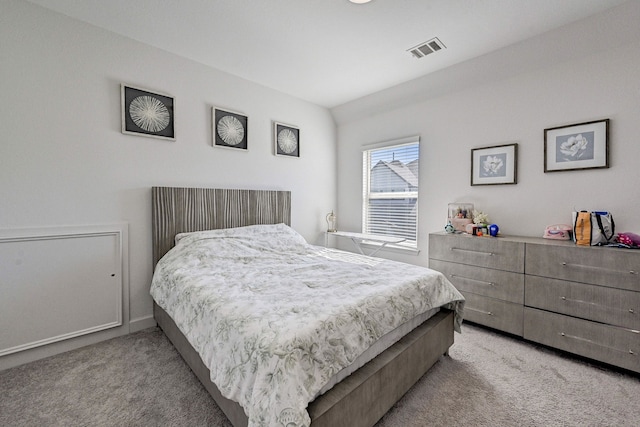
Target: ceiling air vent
column 424, row 49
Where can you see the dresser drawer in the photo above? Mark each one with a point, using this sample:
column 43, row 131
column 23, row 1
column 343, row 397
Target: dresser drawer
column 490, row 252
column 498, row 284
column 606, row 305
column 616, row 268
column 610, row 344
column 501, row 315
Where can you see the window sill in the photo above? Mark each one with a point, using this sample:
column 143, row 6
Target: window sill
column 397, row 248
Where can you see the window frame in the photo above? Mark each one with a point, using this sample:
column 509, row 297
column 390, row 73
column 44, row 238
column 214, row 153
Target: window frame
column 411, row 245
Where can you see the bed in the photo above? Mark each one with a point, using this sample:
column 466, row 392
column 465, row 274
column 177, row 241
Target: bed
column 280, row 362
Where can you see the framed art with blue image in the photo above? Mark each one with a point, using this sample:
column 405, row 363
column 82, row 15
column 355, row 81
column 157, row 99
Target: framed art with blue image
column 578, row 146
column 494, row 165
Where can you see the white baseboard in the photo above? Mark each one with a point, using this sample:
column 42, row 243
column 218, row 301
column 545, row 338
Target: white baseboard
column 33, row 354
column 141, row 323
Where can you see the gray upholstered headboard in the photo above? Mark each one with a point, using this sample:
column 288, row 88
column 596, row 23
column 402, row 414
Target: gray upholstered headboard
column 179, row 210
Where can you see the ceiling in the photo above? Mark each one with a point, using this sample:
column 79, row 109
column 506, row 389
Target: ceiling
column 328, row 52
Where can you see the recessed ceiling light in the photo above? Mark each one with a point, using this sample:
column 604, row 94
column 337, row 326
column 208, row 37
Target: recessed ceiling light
column 359, row 1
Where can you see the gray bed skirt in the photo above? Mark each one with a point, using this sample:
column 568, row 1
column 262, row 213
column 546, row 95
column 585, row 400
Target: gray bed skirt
column 362, row 398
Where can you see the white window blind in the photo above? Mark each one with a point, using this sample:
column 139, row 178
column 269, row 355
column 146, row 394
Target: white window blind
column 390, row 189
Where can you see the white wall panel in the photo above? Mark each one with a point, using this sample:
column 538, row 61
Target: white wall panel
column 60, row 283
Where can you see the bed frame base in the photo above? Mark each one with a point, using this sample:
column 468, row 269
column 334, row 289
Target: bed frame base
column 362, row 398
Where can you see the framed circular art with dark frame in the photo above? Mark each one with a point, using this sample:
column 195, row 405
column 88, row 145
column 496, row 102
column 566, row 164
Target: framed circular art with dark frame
column 286, row 140
column 146, row 113
column 229, row 129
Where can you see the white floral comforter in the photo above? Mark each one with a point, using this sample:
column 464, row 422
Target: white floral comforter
column 274, row 318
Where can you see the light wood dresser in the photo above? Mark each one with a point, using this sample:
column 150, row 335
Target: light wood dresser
column 489, row 272
column 583, row 300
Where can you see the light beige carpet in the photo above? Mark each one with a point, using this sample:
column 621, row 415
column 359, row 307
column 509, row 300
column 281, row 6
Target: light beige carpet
column 488, row 380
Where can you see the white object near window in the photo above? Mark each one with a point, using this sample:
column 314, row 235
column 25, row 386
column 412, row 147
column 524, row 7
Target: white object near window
column 390, row 189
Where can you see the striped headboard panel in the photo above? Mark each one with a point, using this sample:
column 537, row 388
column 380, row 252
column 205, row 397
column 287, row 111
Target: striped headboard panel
column 179, row 210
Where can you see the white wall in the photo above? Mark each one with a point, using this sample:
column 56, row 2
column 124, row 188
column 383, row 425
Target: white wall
column 594, row 85
column 64, row 160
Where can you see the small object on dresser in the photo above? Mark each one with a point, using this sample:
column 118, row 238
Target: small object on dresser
column 494, row 230
column 593, row 228
column 460, row 214
column 480, row 218
column 558, row 232
column 631, row 240
column 449, row 228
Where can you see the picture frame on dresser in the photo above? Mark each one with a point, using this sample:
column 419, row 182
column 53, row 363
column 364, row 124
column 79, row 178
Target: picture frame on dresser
column 494, row 165
column 577, row 146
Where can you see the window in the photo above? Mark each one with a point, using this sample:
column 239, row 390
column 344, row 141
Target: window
column 390, row 189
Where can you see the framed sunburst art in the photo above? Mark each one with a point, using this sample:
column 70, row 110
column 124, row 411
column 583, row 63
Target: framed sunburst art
column 229, row 129
column 286, row 140
column 146, row 113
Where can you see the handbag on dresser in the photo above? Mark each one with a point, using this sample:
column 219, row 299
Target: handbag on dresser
column 593, row 228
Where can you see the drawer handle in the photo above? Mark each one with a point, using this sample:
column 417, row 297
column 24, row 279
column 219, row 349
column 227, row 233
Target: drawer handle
column 594, row 304
column 455, row 276
column 488, row 313
column 469, row 250
column 590, row 267
column 595, row 343
column 583, row 302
